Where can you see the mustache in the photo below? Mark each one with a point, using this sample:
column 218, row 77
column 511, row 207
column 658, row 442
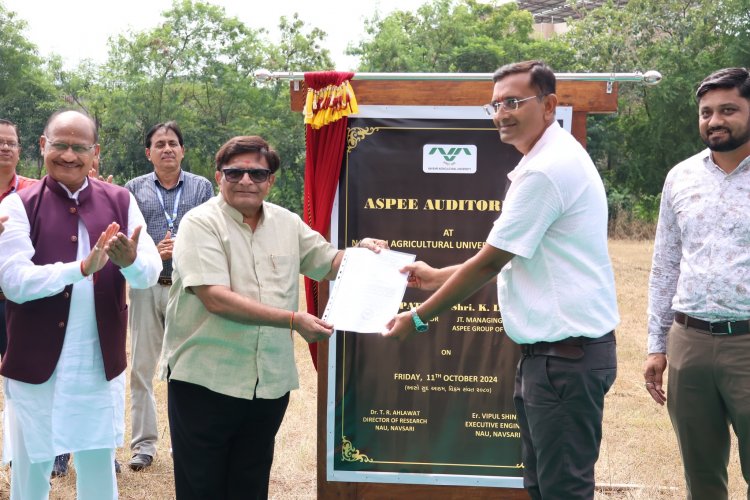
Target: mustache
column 717, row 129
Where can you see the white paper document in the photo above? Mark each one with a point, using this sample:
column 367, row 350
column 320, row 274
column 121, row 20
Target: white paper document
column 368, row 290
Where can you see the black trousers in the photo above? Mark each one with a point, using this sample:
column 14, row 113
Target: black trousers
column 222, row 446
column 560, row 404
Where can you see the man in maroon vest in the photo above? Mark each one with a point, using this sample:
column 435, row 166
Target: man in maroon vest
column 64, row 278
column 10, row 182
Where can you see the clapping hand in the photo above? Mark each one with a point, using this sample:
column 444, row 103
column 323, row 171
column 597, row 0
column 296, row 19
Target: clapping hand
column 96, row 259
column 122, row 250
column 166, row 246
column 93, row 174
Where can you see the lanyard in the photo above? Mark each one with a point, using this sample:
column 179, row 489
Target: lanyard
column 170, row 219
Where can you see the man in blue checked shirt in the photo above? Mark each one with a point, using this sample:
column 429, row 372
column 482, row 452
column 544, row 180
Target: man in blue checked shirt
column 163, row 196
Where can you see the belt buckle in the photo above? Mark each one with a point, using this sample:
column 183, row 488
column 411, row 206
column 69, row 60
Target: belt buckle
column 712, row 332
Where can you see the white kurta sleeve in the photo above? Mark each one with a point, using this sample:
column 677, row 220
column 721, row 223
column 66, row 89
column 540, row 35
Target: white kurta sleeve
column 144, row 271
column 20, row 279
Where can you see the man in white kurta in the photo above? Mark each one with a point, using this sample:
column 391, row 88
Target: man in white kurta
column 76, row 409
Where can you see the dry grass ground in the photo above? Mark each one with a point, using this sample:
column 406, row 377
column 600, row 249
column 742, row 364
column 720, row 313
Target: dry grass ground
column 638, row 449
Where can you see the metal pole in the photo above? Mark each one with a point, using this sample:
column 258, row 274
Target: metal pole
column 648, row 78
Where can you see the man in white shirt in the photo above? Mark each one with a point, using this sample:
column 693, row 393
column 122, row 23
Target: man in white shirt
column 556, row 286
column 699, row 305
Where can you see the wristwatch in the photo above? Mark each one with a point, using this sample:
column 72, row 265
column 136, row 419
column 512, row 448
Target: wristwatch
column 420, row 325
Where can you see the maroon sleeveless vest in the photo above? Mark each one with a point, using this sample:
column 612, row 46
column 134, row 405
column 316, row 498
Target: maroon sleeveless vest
column 36, row 329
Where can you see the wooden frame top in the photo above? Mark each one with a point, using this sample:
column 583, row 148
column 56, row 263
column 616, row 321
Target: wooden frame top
column 583, row 96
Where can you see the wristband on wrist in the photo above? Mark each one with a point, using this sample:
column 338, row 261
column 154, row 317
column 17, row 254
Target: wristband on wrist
column 419, row 325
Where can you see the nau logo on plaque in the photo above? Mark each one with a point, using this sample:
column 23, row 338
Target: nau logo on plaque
column 449, row 158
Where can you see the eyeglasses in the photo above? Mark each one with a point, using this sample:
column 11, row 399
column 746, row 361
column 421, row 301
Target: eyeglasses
column 10, row 144
column 62, row 147
column 236, row 174
column 510, row 104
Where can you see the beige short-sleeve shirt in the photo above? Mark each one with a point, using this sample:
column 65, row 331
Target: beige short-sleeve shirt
column 215, row 247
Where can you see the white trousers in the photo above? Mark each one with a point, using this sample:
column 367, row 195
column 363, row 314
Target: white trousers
column 95, row 474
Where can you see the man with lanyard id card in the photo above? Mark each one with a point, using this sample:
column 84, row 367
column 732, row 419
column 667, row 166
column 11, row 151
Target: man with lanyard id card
column 163, row 196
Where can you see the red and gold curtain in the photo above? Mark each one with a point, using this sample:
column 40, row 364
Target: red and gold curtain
column 330, row 99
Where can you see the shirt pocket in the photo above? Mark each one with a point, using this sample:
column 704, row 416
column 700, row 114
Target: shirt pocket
column 283, row 272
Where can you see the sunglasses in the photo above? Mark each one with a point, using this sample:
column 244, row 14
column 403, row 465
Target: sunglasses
column 236, row 174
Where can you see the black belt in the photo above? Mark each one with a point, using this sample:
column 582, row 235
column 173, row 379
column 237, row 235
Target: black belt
column 570, row 348
column 163, row 280
column 739, row 327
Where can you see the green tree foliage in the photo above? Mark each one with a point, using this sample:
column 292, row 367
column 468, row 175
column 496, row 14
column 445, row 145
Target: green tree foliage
column 656, row 127
column 27, row 94
column 298, row 50
column 455, row 36
column 196, row 67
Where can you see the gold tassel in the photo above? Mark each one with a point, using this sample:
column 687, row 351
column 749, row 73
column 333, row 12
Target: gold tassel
column 329, row 104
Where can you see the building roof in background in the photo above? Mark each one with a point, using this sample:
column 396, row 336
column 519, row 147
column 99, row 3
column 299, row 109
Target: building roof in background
column 557, row 11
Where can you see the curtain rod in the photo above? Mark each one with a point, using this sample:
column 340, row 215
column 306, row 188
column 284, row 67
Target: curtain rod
column 648, row 78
